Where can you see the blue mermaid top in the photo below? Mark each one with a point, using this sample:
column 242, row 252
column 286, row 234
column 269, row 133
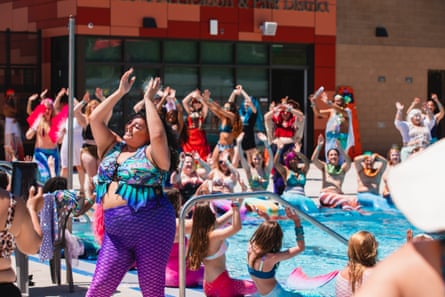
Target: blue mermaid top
column 138, row 179
column 259, row 183
column 294, row 180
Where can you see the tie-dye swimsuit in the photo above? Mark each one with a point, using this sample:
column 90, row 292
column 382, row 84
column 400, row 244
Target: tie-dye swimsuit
column 142, row 231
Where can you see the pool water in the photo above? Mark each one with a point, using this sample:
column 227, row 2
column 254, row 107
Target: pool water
column 323, row 253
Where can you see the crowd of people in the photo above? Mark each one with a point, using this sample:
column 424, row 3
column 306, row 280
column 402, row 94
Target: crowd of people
column 164, row 149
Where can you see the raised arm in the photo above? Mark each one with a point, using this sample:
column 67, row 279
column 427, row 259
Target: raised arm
column 230, row 230
column 268, row 122
column 80, row 117
column 139, row 106
column 299, row 238
column 247, row 99
column 59, row 96
column 414, row 104
column 269, row 166
column 28, row 235
column 31, row 98
column 315, row 155
column 242, row 158
column 276, row 161
column 317, row 112
column 347, row 163
column 438, row 116
column 158, row 150
column 103, row 136
column 187, row 100
column 382, row 160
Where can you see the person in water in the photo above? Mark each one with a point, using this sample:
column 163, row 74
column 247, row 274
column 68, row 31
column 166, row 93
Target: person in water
column 264, row 254
column 208, row 245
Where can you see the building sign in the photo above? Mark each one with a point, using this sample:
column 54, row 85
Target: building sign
column 297, row 5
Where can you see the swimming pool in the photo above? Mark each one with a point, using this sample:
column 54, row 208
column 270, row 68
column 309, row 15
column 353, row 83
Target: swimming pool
column 323, row 253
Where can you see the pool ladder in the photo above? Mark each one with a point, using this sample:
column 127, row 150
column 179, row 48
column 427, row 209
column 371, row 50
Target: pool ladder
column 232, row 196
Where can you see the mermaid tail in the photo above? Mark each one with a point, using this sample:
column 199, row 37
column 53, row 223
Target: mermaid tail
column 298, row 280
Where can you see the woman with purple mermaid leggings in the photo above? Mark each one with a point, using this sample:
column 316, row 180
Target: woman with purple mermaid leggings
column 139, row 221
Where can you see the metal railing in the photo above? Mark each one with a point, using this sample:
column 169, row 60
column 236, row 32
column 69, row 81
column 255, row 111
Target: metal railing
column 187, row 206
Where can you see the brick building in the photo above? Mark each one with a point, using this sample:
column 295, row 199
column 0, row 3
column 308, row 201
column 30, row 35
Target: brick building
column 272, row 48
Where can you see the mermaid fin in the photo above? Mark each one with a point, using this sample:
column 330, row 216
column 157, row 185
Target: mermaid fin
column 298, row 280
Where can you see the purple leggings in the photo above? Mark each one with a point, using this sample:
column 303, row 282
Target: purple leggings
column 145, row 236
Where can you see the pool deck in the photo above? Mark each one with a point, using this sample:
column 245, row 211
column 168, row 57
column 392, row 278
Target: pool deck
column 82, row 273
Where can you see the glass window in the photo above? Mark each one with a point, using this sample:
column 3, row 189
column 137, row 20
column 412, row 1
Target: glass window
column 216, row 53
column 182, row 79
column 254, row 80
column 142, row 51
column 100, row 49
column 180, row 51
column 219, row 81
column 251, row 53
column 103, row 76
column 143, row 76
column 289, row 54
column 25, row 78
column 24, row 48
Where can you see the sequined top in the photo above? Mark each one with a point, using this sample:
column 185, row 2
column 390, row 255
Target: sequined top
column 138, row 179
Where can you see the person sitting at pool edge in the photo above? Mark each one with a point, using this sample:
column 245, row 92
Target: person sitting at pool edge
column 370, row 168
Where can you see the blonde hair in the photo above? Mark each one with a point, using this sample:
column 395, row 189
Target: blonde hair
column 362, row 254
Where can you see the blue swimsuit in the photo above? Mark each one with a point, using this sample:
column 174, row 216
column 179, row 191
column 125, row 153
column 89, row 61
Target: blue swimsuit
column 138, row 180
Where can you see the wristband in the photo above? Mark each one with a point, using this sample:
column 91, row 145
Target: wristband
column 299, row 231
column 235, row 204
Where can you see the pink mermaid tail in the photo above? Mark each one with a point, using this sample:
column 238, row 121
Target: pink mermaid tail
column 298, row 280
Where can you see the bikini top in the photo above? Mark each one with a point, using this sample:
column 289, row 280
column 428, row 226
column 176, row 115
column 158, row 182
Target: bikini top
column 224, row 182
column 222, row 250
column 260, row 273
column 294, row 180
column 258, row 182
column 226, row 128
column 188, row 189
column 87, row 133
column 138, row 179
column 7, row 240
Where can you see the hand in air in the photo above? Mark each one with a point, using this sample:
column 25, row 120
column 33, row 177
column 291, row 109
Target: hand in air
column 126, row 81
column 35, row 199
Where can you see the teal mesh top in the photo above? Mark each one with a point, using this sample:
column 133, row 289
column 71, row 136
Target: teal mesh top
column 138, row 179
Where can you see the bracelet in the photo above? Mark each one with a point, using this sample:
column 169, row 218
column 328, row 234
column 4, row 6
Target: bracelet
column 299, row 231
column 235, row 204
column 90, row 201
column 312, row 105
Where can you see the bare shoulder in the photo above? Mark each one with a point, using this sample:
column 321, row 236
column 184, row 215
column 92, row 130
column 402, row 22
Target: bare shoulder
column 410, row 271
